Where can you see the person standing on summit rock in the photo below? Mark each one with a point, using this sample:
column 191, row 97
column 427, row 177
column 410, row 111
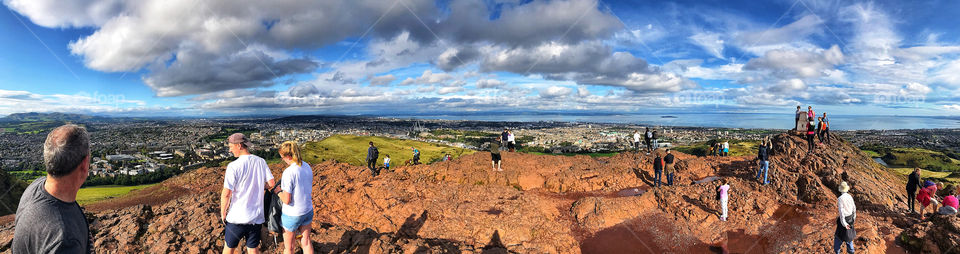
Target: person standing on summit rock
column 241, row 199
column 48, row 219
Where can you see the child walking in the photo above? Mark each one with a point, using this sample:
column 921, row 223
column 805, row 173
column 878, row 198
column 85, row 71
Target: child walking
column 724, row 198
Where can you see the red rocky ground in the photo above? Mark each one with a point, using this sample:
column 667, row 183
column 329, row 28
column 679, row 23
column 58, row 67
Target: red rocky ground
column 550, row 204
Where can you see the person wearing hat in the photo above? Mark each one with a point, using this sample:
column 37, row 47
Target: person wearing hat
column 949, row 205
column 927, row 196
column 241, row 200
column 845, row 233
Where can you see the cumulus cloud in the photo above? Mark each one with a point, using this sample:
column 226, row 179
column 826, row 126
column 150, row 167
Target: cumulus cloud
column 789, row 63
column 382, row 80
column 555, row 91
column 428, row 77
column 197, row 74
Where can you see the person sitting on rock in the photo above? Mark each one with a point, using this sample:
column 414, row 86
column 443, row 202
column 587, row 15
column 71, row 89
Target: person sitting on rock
column 296, row 187
column 657, row 170
column 495, row 154
column 724, row 190
column 927, row 196
column 48, row 219
column 668, row 167
column 241, row 199
column 949, row 205
column 845, row 232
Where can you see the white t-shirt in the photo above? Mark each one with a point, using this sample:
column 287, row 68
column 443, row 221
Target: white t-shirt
column 510, row 138
column 636, row 137
column 386, row 160
column 246, row 177
column 726, row 145
column 298, row 181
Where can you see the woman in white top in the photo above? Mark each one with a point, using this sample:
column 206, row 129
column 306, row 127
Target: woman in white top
column 848, row 214
column 296, row 185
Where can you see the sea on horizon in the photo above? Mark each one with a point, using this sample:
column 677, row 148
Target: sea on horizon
column 718, row 120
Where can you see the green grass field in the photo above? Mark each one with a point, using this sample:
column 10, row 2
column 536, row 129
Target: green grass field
column 947, row 177
column 353, row 150
column 737, row 147
column 96, row 193
column 914, row 157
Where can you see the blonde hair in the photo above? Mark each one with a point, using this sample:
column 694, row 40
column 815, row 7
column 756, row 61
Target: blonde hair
column 290, row 148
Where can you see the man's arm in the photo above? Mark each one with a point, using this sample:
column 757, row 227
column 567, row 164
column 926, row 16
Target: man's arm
column 270, row 184
column 224, row 203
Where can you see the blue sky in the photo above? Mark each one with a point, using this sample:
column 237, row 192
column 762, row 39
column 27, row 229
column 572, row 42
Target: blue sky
column 386, row 57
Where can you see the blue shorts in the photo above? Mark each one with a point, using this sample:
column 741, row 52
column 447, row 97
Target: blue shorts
column 234, row 232
column 386, row 165
column 291, row 223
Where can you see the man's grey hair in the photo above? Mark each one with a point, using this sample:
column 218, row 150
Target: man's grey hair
column 66, row 147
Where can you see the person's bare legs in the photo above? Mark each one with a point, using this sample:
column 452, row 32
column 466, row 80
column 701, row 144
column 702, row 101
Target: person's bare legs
column 305, row 242
column 289, row 241
column 227, row 250
column 493, row 164
column 498, row 166
column 253, row 250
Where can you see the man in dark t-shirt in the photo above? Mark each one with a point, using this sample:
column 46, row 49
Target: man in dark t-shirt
column 49, row 220
column 495, row 154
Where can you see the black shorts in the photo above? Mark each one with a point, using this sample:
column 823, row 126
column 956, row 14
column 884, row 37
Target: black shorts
column 495, row 156
column 510, row 145
column 235, row 232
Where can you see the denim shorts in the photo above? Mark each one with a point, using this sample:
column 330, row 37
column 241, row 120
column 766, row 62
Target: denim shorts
column 291, row 223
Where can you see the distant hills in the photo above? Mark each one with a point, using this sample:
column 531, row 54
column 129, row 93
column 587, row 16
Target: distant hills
column 46, row 117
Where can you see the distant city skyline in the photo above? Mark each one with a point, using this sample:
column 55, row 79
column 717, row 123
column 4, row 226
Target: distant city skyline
column 415, row 57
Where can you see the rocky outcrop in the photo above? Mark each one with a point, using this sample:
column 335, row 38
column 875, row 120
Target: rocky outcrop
column 539, row 204
column 939, row 234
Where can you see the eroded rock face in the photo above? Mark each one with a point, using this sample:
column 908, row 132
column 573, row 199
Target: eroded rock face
column 538, row 204
column 939, row 234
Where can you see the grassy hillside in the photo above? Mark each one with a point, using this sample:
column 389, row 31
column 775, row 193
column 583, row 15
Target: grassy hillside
column 92, row 194
column 10, row 199
column 353, row 150
column 914, row 157
column 737, row 147
column 947, row 177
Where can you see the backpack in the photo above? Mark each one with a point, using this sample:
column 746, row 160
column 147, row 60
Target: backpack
column 376, row 153
column 271, row 210
column 718, row 193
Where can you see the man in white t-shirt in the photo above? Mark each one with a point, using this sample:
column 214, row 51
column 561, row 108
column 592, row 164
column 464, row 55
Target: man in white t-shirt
column 636, row 140
column 241, row 200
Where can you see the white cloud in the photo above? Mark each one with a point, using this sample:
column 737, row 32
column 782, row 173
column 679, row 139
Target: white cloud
column 428, row 77
column 449, row 90
column 382, row 80
column 785, row 63
column 710, row 42
column 489, row 83
column 555, row 91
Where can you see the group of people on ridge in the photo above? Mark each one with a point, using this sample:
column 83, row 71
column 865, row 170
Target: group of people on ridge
column 49, row 219
column 819, row 129
column 926, row 193
column 507, row 141
column 373, row 154
column 720, row 149
column 650, row 139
